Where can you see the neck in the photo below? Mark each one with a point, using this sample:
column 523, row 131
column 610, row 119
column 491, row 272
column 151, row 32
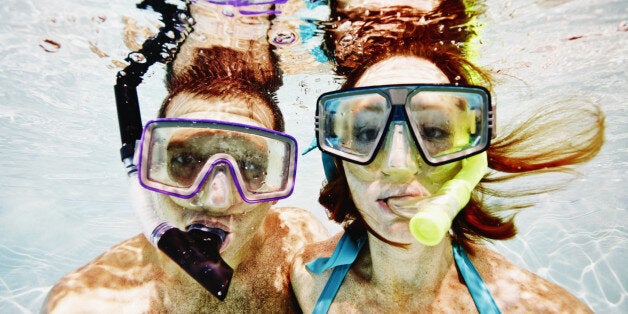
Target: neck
column 406, row 270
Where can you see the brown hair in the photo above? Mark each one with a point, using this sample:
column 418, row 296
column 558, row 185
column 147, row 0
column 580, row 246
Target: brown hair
column 535, row 146
column 358, row 36
column 227, row 74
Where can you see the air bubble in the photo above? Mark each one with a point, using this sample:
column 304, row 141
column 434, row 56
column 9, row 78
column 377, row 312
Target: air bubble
column 284, row 37
column 165, row 56
column 137, row 57
column 50, row 45
column 228, row 11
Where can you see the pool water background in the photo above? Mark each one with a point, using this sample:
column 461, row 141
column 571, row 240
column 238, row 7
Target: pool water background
column 63, row 198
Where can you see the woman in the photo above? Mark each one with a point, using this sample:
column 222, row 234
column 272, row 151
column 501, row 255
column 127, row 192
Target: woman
column 209, row 171
column 396, row 157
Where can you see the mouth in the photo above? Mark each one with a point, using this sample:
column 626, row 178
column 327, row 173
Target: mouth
column 215, row 227
column 403, row 206
column 404, row 203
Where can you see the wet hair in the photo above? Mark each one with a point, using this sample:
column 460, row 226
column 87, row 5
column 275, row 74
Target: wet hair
column 356, row 37
column 228, row 74
column 538, row 145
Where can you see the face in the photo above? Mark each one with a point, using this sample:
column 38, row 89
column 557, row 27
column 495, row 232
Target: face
column 387, row 191
column 218, row 204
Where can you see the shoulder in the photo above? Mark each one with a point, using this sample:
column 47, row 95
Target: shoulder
column 307, row 286
column 119, row 276
column 294, row 225
column 516, row 289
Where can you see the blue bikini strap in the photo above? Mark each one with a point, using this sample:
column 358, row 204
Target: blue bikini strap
column 344, row 255
column 347, row 251
column 482, row 298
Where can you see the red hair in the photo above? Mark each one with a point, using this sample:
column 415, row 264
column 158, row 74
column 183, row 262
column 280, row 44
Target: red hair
column 535, row 146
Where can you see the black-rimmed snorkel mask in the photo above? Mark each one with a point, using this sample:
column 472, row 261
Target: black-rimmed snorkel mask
column 196, row 250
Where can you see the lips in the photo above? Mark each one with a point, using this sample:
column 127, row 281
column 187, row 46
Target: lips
column 212, row 223
column 405, row 207
column 404, row 202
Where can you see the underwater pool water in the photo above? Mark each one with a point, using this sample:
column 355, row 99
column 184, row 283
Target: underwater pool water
column 63, row 197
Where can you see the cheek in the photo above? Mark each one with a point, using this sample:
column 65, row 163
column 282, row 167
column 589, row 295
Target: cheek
column 167, row 209
column 363, row 193
column 365, row 173
column 247, row 224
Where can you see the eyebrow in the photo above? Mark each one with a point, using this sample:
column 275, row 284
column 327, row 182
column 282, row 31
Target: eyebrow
column 180, row 139
column 460, row 103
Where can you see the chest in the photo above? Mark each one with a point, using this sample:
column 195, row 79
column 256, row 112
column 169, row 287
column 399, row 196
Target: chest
column 359, row 295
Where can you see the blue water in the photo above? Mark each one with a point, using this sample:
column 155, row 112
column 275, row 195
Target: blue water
column 62, row 187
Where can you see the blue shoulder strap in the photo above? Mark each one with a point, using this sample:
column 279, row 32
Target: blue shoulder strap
column 344, row 255
column 347, row 251
column 482, row 298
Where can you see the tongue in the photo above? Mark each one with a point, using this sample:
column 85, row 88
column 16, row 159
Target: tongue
column 197, row 252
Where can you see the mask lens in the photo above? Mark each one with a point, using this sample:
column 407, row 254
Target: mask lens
column 178, row 155
column 450, row 123
column 352, row 124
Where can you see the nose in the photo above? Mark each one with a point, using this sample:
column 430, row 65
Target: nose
column 217, row 193
column 400, row 164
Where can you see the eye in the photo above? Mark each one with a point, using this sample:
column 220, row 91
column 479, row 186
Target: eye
column 182, row 160
column 254, row 173
column 184, row 167
column 434, row 133
column 366, row 134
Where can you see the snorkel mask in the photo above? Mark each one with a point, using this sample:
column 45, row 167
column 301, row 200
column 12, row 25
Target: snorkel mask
column 447, row 123
column 147, row 154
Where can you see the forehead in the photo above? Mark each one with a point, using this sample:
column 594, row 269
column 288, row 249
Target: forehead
column 402, row 70
column 185, row 105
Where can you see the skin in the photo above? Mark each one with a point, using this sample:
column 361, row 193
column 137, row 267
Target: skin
column 134, row 276
column 411, row 277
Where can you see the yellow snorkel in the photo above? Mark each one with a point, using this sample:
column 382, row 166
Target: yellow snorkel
column 433, row 220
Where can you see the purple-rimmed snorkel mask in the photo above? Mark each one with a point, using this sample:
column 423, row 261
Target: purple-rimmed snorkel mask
column 178, row 157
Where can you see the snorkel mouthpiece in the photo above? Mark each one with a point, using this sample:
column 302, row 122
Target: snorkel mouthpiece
column 197, row 252
column 430, row 225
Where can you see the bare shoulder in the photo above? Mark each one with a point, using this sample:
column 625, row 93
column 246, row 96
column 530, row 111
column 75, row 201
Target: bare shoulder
column 307, row 285
column 295, row 225
column 121, row 275
column 516, row 289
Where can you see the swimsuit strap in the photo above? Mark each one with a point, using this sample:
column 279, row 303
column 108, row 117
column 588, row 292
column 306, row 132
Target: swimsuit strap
column 482, row 298
column 344, row 255
column 347, row 251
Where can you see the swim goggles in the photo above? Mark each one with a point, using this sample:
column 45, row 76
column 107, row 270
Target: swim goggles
column 177, row 156
column 447, row 122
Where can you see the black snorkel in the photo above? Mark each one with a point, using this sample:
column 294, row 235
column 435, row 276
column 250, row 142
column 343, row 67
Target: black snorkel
column 195, row 250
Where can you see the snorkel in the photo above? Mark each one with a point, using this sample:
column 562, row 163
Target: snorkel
column 195, row 250
column 430, row 225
